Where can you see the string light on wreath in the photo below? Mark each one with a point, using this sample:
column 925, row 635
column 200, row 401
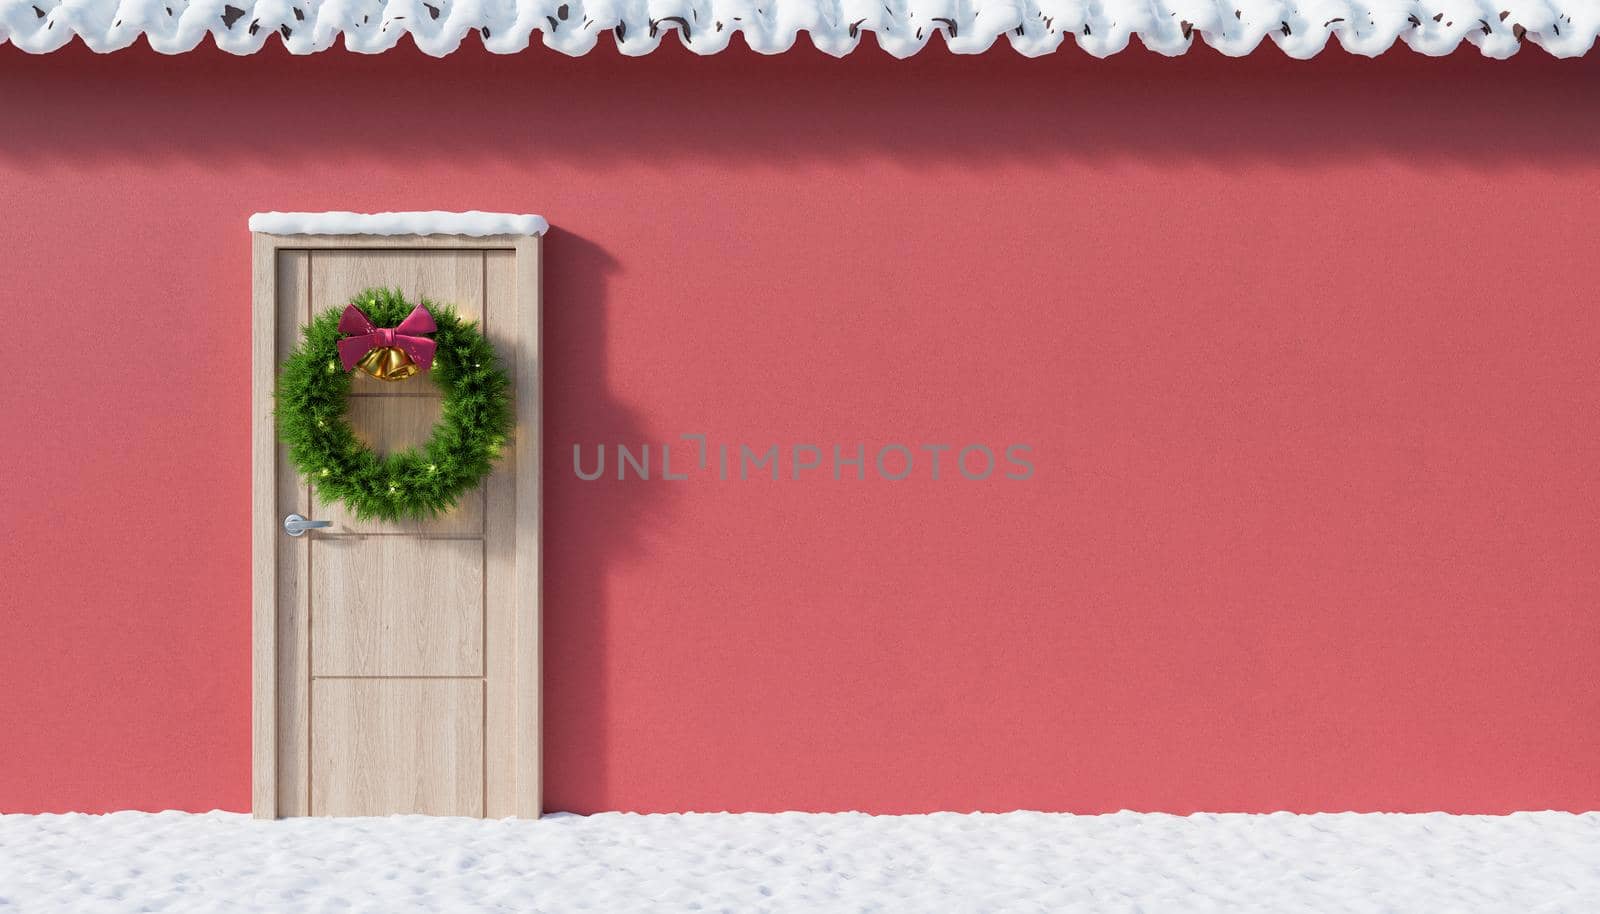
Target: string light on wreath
column 381, row 333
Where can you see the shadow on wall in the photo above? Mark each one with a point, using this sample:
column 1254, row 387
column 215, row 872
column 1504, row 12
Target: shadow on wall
column 929, row 107
column 615, row 519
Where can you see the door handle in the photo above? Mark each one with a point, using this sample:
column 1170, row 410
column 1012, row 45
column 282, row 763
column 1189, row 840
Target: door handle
column 295, row 525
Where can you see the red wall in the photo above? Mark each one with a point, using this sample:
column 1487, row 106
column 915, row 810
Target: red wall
column 1306, row 353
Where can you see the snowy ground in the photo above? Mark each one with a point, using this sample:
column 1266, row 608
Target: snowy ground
column 613, row 863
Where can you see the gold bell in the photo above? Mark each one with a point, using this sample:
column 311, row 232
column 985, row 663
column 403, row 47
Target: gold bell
column 388, row 363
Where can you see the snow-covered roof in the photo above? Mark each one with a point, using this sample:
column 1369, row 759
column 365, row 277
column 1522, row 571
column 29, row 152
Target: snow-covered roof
column 1565, row 28
column 473, row 223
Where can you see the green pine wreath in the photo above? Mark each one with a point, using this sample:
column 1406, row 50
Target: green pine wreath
column 312, row 395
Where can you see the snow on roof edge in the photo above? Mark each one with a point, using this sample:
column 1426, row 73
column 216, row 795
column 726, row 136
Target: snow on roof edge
column 433, row 222
column 1300, row 28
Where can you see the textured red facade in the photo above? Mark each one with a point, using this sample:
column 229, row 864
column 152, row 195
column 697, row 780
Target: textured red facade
column 1304, row 353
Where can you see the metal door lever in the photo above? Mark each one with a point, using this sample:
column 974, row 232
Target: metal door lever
column 295, row 525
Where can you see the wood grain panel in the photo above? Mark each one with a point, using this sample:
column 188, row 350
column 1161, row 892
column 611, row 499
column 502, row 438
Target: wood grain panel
column 294, row 664
column 396, row 606
column 528, row 600
column 391, row 424
column 279, row 286
column 501, row 603
column 500, row 307
column 388, row 746
column 447, row 277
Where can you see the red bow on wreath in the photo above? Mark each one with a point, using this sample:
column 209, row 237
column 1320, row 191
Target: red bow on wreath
column 366, row 339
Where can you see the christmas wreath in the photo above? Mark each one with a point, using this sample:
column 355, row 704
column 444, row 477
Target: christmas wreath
column 381, row 333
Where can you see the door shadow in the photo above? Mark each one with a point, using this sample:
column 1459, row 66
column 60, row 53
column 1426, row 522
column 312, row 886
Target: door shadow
column 589, row 528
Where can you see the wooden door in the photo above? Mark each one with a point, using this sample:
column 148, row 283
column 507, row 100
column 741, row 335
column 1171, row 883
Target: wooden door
column 397, row 664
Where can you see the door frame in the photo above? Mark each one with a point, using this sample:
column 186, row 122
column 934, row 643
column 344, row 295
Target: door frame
column 267, row 536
